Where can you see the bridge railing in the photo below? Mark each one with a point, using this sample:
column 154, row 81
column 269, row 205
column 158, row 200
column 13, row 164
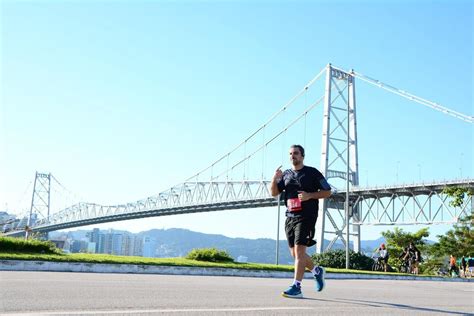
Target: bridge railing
column 389, row 205
column 184, row 195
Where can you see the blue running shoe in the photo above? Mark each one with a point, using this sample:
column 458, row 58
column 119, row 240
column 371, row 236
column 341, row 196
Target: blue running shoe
column 293, row 292
column 319, row 278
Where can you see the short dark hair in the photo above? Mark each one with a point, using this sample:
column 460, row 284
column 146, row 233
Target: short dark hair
column 300, row 148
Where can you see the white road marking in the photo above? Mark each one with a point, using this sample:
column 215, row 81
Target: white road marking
column 149, row 311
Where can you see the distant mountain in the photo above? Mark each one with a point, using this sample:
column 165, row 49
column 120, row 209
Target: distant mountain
column 176, row 242
column 368, row 246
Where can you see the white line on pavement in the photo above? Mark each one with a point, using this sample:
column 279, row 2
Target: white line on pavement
column 148, row 311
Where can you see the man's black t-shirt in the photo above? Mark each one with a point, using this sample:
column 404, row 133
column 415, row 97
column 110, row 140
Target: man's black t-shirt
column 306, row 179
column 414, row 254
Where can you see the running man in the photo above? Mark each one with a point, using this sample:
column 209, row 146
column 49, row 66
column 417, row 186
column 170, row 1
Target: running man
column 303, row 186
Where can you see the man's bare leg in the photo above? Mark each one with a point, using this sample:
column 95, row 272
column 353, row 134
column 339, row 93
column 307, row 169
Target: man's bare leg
column 302, row 261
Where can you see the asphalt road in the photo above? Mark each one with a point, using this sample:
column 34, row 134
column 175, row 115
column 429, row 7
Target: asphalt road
column 59, row 293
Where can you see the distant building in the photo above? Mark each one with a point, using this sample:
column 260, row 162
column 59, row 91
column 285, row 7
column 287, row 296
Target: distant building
column 137, row 246
column 108, row 242
column 149, row 247
column 132, row 245
column 117, row 243
column 6, row 218
column 77, row 246
column 101, row 246
column 59, row 243
column 94, row 237
column 22, row 223
column 91, row 247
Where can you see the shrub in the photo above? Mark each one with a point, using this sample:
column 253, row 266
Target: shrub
column 432, row 265
column 337, row 259
column 209, row 254
column 9, row 244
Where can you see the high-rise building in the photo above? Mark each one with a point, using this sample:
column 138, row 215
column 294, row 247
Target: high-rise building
column 101, row 246
column 91, row 247
column 94, row 236
column 149, row 247
column 108, row 241
column 127, row 245
column 117, row 239
column 137, row 246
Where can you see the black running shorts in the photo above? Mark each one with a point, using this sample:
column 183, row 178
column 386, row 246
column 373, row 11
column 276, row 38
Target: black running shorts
column 299, row 230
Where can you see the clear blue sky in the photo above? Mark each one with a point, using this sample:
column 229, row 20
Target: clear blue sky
column 120, row 100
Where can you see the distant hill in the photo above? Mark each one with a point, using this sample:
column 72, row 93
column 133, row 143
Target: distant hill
column 368, row 246
column 176, row 242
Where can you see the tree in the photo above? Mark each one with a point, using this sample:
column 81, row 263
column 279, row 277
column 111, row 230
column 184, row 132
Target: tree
column 457, row 194
column 458, row 241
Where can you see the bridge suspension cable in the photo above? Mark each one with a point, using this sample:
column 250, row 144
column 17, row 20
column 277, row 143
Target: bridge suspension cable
column 71, row 196
column 274, row 116
column 412, row 97
column 264, row 145
column 303, row 115
column 22, row 211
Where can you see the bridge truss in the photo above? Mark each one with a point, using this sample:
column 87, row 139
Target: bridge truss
column 394, row 205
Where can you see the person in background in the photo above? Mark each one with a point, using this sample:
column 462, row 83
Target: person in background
column 414, row 257
column 405, row 266
column 470, row 265
column 383, row 256
column 463, row 266
column 452, row 265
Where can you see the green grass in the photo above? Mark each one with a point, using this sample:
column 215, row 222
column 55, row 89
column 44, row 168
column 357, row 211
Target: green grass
column 111, row 259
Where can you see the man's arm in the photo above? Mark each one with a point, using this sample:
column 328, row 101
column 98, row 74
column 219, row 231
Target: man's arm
column 305, row 196
column 274, row 185
column 323, row 187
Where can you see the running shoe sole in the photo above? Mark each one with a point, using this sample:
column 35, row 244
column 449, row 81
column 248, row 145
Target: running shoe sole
column 292, row 296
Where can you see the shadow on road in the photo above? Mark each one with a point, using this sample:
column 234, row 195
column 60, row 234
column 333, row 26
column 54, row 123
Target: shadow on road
column 397, row 306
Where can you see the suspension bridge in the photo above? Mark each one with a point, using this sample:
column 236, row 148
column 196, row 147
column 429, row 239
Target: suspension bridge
column 239, row 178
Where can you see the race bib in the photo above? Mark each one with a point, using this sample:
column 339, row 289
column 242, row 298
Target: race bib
column 294, row 205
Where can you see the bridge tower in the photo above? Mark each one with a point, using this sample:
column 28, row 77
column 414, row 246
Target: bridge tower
column 40, row 200
column 338, row 158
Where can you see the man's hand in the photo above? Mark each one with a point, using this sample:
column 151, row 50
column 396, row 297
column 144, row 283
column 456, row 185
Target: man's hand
column 278, row 174
column 304, row 196
column 274, row 184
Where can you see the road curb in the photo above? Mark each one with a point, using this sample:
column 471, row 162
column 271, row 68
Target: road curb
column 25, row 265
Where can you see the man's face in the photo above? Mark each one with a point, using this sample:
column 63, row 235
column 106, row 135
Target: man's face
column 295, row 156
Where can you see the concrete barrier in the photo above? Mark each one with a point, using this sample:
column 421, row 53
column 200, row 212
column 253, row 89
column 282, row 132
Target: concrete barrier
column 24, row 265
